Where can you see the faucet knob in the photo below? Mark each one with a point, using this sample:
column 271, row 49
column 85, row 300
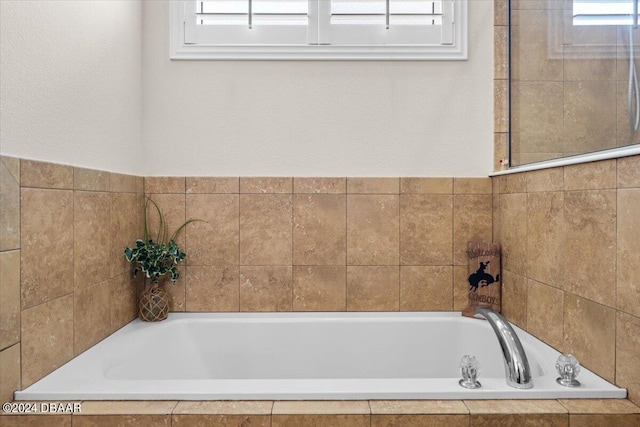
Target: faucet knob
column 568, row 368
column 469, row 369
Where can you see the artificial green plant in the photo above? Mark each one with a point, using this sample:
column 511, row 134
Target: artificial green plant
column 158, row 257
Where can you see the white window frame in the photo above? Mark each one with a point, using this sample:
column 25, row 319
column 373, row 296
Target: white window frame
column 179, row 50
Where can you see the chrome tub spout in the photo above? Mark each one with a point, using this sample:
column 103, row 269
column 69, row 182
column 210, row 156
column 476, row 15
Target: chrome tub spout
column 516, row 365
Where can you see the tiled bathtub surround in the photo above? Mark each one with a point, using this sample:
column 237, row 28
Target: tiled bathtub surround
column 63, row 281
column 374, row 413
column 571, row 261
column 324, row 244
column 267, row 244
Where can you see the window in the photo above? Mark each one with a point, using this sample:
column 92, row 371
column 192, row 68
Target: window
column 319, row 29
column 605, row 12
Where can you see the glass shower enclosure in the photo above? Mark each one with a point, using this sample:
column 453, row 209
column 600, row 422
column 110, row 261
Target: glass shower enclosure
column 573, row 77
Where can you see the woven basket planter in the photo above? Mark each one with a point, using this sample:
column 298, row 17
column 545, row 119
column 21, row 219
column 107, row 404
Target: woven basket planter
column 154, row 304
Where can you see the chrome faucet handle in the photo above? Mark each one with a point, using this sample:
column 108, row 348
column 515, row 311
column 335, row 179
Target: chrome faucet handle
column 469, row 369
column 568, row 368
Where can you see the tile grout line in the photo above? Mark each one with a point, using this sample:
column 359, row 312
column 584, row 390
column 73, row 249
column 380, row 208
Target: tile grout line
column 239, row 222
column 346, row 245
column 293, row 264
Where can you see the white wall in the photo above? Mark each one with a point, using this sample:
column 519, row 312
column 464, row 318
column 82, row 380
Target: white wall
column 70, row 89
column 318, row 118
column 71, row 93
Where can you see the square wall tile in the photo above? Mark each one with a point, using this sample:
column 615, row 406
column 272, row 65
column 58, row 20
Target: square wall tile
column 513, row 232
column 628, row 239
column 123, row 290
column 164, row 184
column 220, row 420
column 472, row 222
column 629, row 172
column 372, row 229
column 121, row 183
column 520, row 420
column 91, row 238
column 320, row 421
column 9, row 298
column 45, row 175
column 590, row 246
column 540, row 115
column 373, row 288
column 320, row 185
column 47, row 245
column 545, row 313
column 472, row 186
column 210, row 185
column 319, row 229
column 590, row 335
column 263, row 185
column 9, row 373
column 426, row 185
column 124, row 413
column 127, row 407
column 513, row 183
column 91, row 180
column 426, row 229
column 326, row 407
column 215, row 239
column 589, row 116
column 266, row 288
column 546, row 238
column 460, row 287
column 500, row 48
column 545, row 180
column 426, row 288
column 609, row 420
column 624, row 135
column 599, row 406
column 173, row 209
column 530, row 41
column 91, row 316
column 500, row 12
column 36, row 420
column 413, row 407
column 500, row 106
column 176, row 290
column 418, row 420
column 627, row 347
column 590, row 176
column 266, row 222
column 126, row 227
column 237, row 407
column 222, row 414
column 373, row 185
column 500, row 150
column 519, row 406
column 514, row 298
column 47, row 338
column 122, row 420
column 9, row 206
column 213, row 288
column 589, row 69
column 320, row 288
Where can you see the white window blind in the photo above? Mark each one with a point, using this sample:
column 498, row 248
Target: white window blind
column 366, row 26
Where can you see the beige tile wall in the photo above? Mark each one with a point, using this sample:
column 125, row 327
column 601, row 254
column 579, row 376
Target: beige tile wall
column 571, row 261
column 378, row 413
column 324, row 244
column 63, row 280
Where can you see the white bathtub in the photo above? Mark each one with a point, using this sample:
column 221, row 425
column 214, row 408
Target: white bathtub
column 294, row 356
